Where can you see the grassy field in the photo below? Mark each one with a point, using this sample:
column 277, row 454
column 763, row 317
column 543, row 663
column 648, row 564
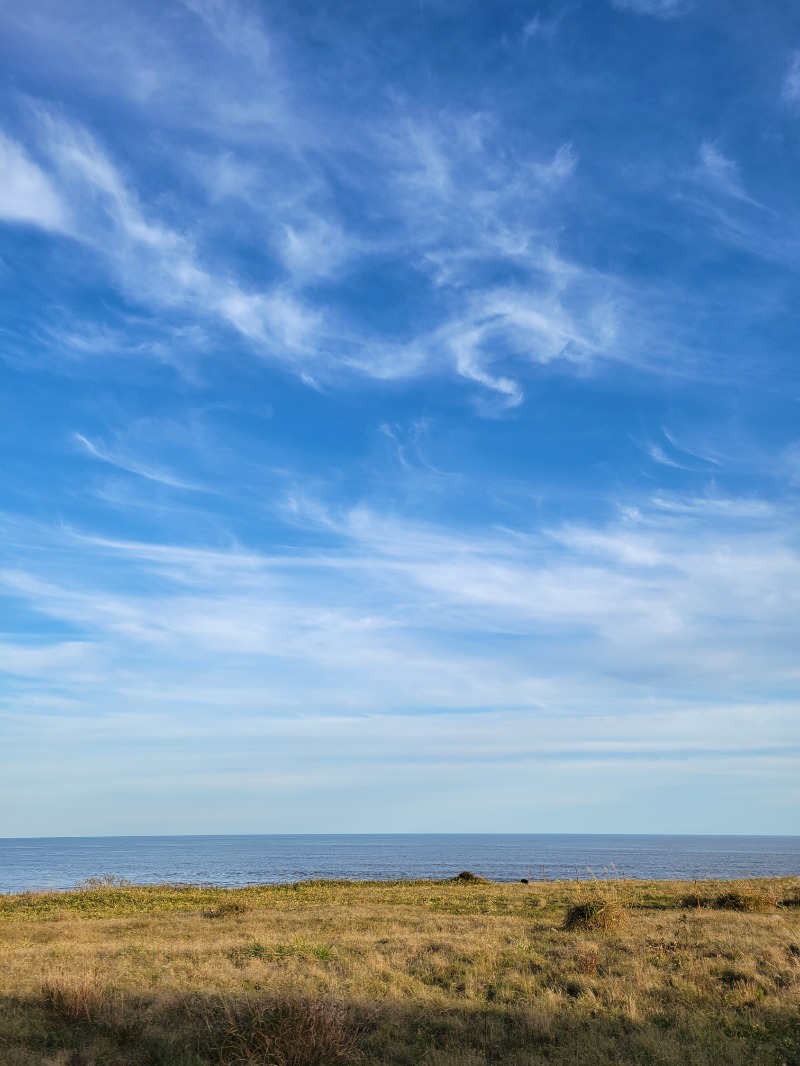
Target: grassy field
column 440, row 973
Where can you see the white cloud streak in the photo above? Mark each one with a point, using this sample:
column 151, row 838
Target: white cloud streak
column 567, row 315
column 27, row 195
column 235, row 27
column 457, row 206
column 665, row 637
column 133, row 465
column 688, row 597
column 160, row 264
column 660, row 8
column 720, row 172
column 790, row 91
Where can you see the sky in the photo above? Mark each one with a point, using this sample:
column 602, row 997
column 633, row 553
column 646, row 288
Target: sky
column 399, row 416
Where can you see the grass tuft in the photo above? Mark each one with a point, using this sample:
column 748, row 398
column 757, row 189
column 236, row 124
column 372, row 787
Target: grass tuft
column 75, row 998
column 92, row 884
column 299, row 1031
column 747, row 900
column 594, row 914
column 227, row 908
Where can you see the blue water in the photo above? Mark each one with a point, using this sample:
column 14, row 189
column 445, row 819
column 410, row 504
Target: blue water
column 60, row 862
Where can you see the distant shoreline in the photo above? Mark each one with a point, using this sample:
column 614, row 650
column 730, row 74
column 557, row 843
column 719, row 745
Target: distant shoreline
column 111, row 889
column 230, row 861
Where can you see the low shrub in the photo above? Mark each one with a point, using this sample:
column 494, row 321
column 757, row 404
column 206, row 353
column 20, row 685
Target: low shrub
column 594, row 914
column 749, row 900
column 468, row 875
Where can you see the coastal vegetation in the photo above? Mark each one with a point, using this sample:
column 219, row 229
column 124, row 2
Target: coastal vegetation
column 399, row 973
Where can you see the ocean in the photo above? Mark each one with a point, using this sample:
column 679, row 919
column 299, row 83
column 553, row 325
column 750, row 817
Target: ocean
column 62, row 862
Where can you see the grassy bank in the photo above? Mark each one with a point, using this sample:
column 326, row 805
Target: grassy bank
column 403, row 973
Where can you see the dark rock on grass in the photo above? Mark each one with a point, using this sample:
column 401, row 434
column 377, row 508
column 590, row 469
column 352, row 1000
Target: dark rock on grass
column 470, row 877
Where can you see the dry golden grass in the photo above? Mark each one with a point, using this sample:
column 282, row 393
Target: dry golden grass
column 594, row 914
column 440, row 974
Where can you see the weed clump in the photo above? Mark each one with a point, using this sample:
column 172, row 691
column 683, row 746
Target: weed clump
column 297, row 949
column 227, row 909
column 301, row 1031
column 92, row 884
column 748, row 900
column 75, row 998
column 594, row 914
column 695, row 901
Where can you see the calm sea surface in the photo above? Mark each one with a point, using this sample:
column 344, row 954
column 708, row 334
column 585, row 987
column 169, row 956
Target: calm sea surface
column 60, row 862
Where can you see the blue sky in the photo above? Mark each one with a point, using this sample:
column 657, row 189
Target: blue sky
column 399, row 414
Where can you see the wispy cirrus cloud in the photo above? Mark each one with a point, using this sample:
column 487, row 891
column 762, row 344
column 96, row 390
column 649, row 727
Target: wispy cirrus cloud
column 237, row 28
column 679, row 455
column 300, row 206
column 133, row 464
column 558, row 311
column 27, row 195
column 457, row 208
column 385, row 639
column 790, row 90
column 715, row 190
column 722, row 175
column 660, row 8
column 675, row 590
column 156, row 263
